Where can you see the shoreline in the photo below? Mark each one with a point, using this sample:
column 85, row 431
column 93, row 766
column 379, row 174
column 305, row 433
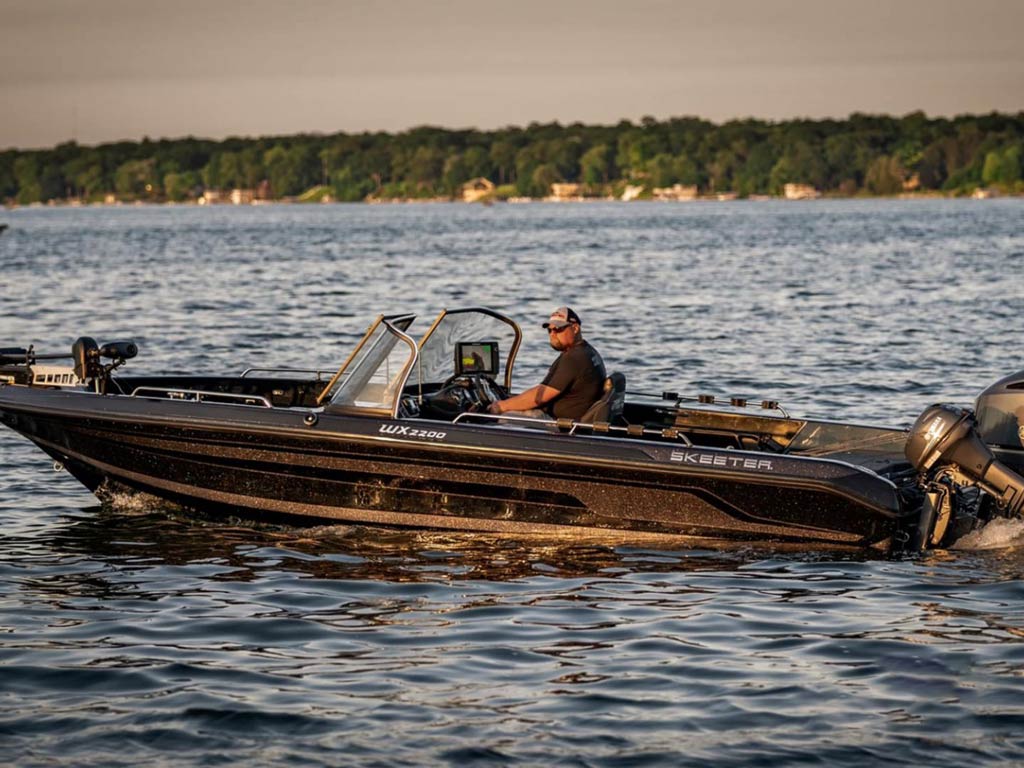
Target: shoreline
column 725, row 198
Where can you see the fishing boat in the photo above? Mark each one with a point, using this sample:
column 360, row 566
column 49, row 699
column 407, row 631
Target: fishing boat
column 400, row 435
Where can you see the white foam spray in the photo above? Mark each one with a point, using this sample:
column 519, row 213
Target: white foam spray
column 998, row 533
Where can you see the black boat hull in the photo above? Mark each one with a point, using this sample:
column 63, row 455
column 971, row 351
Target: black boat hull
column 300, row 463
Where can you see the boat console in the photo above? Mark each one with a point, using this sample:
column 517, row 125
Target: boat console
column 470, row 389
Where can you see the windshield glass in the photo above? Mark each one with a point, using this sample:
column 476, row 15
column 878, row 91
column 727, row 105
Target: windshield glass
column 437, row 349
column 374, row 376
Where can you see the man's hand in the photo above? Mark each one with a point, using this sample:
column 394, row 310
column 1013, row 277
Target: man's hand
column 494, row 407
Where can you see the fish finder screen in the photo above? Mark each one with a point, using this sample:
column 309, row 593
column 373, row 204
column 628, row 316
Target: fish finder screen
column 476, row 357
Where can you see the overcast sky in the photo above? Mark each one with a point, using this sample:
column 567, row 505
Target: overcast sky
column 102, row 70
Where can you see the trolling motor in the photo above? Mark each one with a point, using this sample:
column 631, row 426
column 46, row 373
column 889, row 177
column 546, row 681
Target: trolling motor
column 23, row 366
column 87, row 356
column 946, row 447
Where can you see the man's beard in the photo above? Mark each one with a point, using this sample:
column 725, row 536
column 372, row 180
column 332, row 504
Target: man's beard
column 557, row 344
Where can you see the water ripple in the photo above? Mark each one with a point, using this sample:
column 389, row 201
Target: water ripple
column 135, row 634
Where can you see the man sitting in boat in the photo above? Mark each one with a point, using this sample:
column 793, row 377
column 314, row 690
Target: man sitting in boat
column 573, row 383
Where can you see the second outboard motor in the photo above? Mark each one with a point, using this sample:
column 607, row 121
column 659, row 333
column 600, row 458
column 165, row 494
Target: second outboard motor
column 1000, row 413
column 946, row 435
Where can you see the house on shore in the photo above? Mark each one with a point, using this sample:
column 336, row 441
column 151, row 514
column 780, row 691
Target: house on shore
column 800, row 192
column 477, row 189
column 242, row 196
column 675, row 192
column 631, row 192
column 564, row 192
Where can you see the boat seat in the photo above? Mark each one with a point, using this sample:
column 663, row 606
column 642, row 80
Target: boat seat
column 608, row 408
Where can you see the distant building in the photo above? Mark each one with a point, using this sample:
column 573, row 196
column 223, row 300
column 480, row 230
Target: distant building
column 800, row 192
column 563, row 191
column 675, row 192
column 912, row 184
column 210, row 197
column 242, row 196
column 477, row 189
column 631, row 192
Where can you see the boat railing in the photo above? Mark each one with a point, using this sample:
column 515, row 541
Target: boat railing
column 319, row 374
column 199, row 395
column 571, row 427
column 713, row 400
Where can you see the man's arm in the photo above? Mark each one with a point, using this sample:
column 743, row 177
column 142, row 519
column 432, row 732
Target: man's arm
column 534, row 397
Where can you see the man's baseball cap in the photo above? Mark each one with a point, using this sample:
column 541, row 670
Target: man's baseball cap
column 562, row 317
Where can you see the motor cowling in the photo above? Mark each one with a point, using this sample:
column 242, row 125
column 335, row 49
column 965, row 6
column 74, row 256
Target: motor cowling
column 947, row 435
column 1000, row 415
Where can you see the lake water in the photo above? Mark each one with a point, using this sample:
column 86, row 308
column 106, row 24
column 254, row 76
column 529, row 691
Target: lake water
column 132, row 634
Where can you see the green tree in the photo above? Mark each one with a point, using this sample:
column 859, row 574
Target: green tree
column 931, row 169
column 1012, row 165
column 84, row 174
column 753, row 177
column 26, row 175
column 661, row 170
column 8, row 185
column 291, row 170
column 478, row 163
column 424, row 169
column 1002, row 167
column 180, row 186
column 992, row 171
column 348, row 187
column 250, row 167
column 595, row 165
column 846, row 157
column 455, row 174
column 542, row 178
column 721, row 170
column 503, row 156
column 885, row 176
column 136, row 179
column 636, row 148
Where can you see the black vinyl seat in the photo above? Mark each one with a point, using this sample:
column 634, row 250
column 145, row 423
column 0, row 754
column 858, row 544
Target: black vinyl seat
column 608, row 409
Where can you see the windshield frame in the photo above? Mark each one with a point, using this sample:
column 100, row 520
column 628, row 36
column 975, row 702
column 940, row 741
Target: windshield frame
column 395, row 325
column 510, row 359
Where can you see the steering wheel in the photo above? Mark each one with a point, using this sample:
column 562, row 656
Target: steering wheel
column 481, row 389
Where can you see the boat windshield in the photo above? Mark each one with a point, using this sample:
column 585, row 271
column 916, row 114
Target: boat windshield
column 373, row 377
column 437, row 348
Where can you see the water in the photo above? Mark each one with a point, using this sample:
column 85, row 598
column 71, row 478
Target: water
column 134, row 634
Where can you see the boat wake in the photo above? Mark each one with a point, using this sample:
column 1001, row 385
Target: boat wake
column 999, row 533
column 128, row 501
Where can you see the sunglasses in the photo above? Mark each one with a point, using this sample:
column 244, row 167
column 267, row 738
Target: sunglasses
column 552, row 329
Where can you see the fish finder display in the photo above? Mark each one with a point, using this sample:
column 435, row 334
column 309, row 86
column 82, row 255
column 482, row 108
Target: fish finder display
column 476, row 357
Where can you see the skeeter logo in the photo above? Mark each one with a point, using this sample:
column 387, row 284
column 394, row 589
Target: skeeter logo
column 407, row 431
column 720, row 460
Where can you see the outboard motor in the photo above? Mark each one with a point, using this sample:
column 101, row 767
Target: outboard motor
column 1000, row 413
column 946, row 447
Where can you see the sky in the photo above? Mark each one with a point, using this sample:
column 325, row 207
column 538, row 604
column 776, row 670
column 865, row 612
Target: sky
column 96, row 71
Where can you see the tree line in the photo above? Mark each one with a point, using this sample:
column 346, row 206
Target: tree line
column 863, row 154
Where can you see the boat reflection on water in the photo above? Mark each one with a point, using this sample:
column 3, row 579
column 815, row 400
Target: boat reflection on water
column 133, row 534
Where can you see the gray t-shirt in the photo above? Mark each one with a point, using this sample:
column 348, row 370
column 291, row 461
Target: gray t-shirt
column 578, row 373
